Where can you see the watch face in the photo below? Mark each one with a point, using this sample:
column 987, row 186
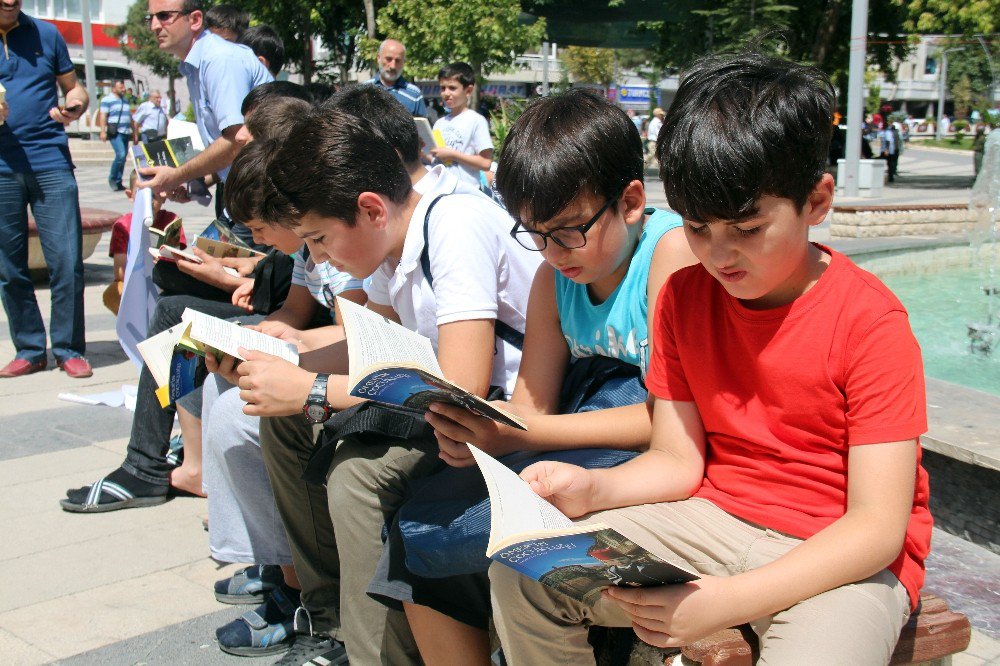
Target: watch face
column 315, row 413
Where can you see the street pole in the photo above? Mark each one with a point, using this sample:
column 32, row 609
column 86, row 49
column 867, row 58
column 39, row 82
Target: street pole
column 88, row 54
column 855, row 92
column 545, row 69
column 942, row 80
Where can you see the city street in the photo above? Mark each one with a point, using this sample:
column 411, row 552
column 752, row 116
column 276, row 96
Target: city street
column 135, row 586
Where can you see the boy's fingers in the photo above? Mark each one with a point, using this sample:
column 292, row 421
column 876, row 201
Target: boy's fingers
column 654, row 638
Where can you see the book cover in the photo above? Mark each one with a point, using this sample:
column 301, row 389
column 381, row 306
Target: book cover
column 222, row 249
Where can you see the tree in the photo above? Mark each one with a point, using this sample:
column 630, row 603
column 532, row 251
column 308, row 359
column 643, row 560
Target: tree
column 138, row 44
column 590, row 65
column 487, row 34
column 947, row 17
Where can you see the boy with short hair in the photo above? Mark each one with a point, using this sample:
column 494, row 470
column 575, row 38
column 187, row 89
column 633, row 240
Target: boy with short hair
column 469, row 147
column 784, row 464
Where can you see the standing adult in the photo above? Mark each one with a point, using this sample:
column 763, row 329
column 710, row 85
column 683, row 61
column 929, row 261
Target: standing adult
column 150, row 119
column 219, row 75
column 391, row 59
column 36, row 171
column 115, row 121
column 891, row 148
column 653, row 132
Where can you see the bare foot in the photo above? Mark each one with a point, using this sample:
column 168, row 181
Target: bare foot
column 188, row 479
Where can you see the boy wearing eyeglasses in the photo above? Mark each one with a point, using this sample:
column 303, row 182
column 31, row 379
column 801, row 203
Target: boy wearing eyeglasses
column 606, row 257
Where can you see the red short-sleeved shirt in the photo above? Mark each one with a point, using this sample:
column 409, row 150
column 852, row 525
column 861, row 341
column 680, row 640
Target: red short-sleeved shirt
column 784, row 393
column 123, row 226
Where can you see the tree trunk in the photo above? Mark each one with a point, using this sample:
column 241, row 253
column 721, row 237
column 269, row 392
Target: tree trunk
column 370, row 25
column 827, row 29
column 474, row 102
column 307, row 58
column 172, row 95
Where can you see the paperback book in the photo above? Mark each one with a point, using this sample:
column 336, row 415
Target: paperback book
column 533, row 537
column 391, row 364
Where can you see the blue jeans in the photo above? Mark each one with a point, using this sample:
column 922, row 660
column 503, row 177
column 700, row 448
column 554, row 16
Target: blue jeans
column 55, row 205
column 120, row 145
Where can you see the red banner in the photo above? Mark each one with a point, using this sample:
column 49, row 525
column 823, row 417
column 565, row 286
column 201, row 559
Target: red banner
column 72, row 32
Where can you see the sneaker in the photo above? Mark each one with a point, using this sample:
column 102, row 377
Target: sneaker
column 309, row 649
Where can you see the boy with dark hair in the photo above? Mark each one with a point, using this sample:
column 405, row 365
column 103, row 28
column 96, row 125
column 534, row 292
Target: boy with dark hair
column 352, row 198
column 266, row 45
column 228, row 22
column 469, row 146
column 789, row 399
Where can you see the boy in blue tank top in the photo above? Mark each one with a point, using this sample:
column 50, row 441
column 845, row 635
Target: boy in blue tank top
column 571, row 176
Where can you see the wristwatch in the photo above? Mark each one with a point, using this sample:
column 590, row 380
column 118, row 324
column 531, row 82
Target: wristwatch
column 317, row 408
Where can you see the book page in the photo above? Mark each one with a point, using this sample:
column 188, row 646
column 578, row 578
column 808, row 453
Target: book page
column 175, row 253
column 515, row 508
column 157, row 351
column 374, row 340
column 426, row 135
column 227, row 337
column 221, row 249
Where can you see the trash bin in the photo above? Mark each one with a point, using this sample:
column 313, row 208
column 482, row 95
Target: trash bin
column 871, row 177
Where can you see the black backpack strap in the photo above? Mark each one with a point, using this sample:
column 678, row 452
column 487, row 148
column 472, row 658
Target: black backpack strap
column 504, row 331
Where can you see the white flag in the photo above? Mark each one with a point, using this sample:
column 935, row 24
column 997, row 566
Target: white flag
column 139, row 293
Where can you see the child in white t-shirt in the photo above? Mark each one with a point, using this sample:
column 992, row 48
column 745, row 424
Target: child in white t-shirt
column 469, row 147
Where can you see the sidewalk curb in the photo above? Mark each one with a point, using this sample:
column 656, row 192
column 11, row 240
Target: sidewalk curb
column 937, row 149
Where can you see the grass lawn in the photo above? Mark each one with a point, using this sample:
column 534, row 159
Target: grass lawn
column 950, row 143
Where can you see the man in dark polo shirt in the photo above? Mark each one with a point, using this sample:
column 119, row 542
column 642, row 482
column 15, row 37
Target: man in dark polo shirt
column 36, row 171
column 391, row 58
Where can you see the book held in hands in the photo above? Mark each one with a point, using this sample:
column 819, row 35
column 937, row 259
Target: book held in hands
column 391, row 364
column 172, row 356
column 533, row 537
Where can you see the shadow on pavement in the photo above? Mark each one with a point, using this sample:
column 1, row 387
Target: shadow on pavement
column 932, row 182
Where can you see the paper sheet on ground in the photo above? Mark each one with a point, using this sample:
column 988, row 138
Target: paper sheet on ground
column 123, row 397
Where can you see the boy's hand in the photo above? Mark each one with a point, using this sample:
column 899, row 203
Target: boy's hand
column 243, row 265
column 567, row 487
column 455, row 426
column 272, row 386
column 676, row 615
column 282, row 331
column 444, row 153
column 210, row 271
column 243, row 295
column 225, row 368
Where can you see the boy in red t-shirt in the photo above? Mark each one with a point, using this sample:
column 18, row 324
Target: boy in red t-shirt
column 789, row 399
column 118, row 249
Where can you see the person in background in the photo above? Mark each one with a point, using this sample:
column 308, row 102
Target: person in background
column 653, row 131
column 265, row 43
column 391, row 58
column 227, row 21
column 115, row 121
column 468, row 145
column 978, row 148
column 36, row 171
column 150, row 120
column 891, row 147
column 118, row 249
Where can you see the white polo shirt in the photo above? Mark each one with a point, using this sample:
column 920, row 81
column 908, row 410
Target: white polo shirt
column 479, row 271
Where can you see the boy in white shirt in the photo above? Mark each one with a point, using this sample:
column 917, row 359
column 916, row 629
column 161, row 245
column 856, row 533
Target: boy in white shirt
column 469, row 147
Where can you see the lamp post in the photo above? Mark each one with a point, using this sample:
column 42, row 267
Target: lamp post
column 855, row 90
column 942, row 84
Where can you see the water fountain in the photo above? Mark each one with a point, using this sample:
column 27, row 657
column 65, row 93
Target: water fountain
column 984, row 336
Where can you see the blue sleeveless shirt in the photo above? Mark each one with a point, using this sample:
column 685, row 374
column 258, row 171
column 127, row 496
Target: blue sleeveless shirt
column 617, row 327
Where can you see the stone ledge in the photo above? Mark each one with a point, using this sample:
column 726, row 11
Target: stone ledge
column 964, row 424
column 900, row 220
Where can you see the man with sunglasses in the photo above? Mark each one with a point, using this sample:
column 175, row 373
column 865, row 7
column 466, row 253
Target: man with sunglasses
column 219, row 75
column 36, row 171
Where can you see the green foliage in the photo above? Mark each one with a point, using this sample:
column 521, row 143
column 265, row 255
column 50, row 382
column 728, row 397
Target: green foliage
column 948, row 17
column 486, row 34
column 140, row 45
column 501, row 120
column 969, row 76
column 874, row 99
column 590, row 65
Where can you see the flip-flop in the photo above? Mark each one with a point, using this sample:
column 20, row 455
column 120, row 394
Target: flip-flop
column 116, row 497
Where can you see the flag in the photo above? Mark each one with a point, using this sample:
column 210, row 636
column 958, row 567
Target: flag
column 139, row 293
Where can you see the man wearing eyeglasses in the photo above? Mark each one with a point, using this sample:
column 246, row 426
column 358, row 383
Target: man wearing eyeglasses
column 36, row 171
column 219, row 75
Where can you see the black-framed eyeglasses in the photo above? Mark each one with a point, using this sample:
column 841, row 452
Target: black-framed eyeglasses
column 570, row 238
column 165, row 17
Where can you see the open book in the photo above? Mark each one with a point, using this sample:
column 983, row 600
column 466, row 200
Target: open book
column 223, row 250
column 172, row 355
column 391, row 364
column 166, row 152
column 533, row 537
column 168, row 235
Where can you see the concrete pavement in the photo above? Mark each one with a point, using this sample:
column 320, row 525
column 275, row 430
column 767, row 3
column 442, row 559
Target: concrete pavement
column 134, row 586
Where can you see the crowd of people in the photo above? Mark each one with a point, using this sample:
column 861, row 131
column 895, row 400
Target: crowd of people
column 704, row 379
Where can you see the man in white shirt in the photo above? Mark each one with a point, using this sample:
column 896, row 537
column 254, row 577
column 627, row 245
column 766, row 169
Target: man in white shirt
column 150, row 119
